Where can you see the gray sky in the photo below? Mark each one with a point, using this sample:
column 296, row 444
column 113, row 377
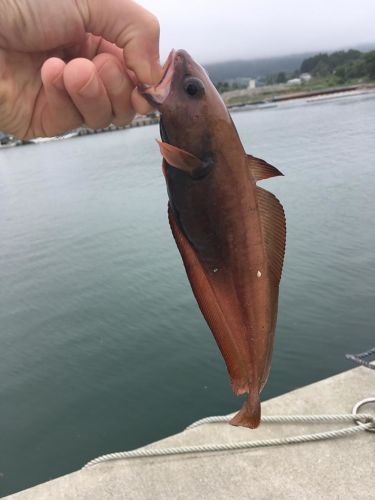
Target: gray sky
column 220, row 30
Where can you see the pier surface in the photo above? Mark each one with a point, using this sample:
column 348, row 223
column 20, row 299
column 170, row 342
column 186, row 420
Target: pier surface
column 334, row 469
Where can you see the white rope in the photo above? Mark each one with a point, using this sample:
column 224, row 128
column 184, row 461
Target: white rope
column 152, row 452
column 286, row 419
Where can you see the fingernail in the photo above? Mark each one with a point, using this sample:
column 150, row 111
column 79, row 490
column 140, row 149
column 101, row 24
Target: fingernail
column 91, row 89
column 58, row 83
column 132, row 76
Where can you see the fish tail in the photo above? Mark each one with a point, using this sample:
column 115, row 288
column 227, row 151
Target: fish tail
column 249, row 415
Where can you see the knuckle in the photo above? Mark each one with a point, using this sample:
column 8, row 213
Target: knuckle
column 123, row 119
column 83, row 10
column 153, row 25
column 95, row 123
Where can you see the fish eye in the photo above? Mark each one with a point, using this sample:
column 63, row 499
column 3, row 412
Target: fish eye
column 194, row 87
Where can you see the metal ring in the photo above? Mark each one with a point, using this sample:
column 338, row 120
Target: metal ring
column 359, row 405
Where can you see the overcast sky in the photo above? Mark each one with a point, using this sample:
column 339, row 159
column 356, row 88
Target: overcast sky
column 217, row 30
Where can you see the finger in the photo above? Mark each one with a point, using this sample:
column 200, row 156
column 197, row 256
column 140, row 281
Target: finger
column 118, row 87
column 88, row 93
column 110, row 48
column 39, row 25
column 130, row 27
column 60, row 114
column 139, row 103
column 90, row 46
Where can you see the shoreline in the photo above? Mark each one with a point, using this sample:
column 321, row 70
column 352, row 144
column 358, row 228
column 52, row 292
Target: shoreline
column 322, row 92
column 269, row 98
column 332, row 91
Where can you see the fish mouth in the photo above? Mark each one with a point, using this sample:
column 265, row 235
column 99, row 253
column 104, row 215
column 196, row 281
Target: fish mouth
column 157, row 94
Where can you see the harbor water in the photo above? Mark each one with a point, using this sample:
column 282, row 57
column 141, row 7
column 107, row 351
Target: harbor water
column 103, row 347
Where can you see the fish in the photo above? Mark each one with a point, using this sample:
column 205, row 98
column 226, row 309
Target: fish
column 230, row 232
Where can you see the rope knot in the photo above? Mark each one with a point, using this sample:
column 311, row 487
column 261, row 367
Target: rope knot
column 367, row 419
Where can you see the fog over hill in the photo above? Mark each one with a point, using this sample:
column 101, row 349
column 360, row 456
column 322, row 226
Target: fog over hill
column 266, row 66
column 254, row 68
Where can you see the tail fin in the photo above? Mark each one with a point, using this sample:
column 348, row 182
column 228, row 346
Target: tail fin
column 249, row 415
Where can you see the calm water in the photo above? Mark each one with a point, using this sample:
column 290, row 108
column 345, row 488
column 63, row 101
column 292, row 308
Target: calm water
column 103, row 347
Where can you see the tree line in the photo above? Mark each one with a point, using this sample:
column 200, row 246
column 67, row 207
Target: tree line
column 336, row 68
column 339, row 67
column 344, row 65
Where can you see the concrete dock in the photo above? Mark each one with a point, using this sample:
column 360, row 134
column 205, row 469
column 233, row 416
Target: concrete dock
column 341, row 468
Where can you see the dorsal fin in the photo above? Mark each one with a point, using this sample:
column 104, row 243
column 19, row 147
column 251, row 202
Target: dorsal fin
column 261, row 169
column 272, row 218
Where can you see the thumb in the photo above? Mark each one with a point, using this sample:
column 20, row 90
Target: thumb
column 130, row 27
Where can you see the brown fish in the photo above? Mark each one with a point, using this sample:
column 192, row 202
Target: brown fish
column 230, row 233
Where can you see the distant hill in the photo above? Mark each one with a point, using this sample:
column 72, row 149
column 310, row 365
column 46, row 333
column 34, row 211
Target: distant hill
column 363, row 47
column 255, row 67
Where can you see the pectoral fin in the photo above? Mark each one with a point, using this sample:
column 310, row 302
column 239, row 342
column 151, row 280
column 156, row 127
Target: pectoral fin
column 182, row 160
column 261, row 169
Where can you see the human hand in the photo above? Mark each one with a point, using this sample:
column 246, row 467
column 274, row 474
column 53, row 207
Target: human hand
column 68, row 62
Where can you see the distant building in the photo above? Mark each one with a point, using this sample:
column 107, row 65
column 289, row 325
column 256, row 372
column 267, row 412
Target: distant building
column 252, row 84
column 243, row 80
column 294, row 81
column 305, row 77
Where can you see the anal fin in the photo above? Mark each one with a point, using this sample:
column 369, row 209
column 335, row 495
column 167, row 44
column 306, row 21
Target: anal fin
column 203, row 290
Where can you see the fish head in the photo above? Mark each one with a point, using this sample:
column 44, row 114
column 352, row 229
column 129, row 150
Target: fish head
column 191, row 108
